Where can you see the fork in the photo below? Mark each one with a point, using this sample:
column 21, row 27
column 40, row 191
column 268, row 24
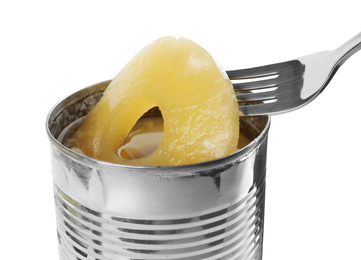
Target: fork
column 286, row 86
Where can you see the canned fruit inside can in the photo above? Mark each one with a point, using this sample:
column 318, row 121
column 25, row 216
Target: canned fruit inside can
column 142, row 140
column 195, row 97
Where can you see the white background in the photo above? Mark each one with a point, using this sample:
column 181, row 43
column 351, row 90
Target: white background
column 50, row 49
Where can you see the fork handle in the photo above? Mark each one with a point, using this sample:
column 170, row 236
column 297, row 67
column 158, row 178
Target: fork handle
column 348, row 49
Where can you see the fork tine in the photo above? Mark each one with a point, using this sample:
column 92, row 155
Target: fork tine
column 257, row 109
column 262, row 71
column 262, row 96
column 254, row 85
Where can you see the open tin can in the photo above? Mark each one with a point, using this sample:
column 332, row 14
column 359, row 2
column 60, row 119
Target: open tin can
column 105, row 211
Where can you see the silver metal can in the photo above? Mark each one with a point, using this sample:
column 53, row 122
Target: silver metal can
column 212, row 210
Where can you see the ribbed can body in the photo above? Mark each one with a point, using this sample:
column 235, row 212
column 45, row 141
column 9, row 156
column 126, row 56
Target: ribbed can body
column 212, row 210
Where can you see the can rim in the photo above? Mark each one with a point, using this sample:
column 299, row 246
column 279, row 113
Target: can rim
column 185, row 169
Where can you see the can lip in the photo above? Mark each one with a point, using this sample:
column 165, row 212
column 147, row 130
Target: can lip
column 176, row 170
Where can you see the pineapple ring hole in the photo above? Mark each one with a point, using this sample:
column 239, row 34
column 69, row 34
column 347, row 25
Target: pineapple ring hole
column 145, row 136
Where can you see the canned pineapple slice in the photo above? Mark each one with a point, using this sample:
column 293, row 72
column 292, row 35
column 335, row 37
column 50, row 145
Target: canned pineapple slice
column 194, row 95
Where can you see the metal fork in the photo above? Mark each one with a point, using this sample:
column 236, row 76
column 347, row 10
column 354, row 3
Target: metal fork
column 286, row 86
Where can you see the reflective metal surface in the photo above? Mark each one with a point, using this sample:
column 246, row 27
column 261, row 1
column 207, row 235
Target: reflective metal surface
column 286, row 86
column 105, row 211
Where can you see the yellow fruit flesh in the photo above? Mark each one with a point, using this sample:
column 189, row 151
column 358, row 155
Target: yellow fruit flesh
column 196, row 100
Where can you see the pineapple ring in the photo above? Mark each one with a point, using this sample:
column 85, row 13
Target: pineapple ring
column 195, row 97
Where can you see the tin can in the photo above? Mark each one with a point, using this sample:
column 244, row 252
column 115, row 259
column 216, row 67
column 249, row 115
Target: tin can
column 105, row 211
